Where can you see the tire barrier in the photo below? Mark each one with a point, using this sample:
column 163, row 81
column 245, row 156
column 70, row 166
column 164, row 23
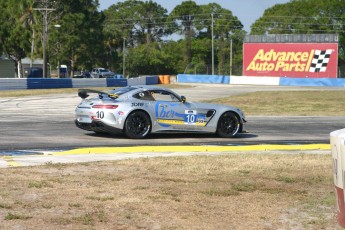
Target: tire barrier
column 164, row 79
column 338, row 155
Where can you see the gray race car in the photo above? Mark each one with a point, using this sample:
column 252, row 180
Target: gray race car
column 138, row 111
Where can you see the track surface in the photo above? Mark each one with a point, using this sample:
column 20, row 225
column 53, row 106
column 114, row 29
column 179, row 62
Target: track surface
column 47, row 122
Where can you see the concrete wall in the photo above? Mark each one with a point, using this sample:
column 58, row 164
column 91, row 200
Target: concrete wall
column 247, row 80
column 51, row 83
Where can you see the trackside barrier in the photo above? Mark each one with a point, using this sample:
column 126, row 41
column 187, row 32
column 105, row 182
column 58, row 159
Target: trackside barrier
column 211, row 79
column 144, row 80
column 48, row 83
column 253, row 80
column 338, row 155
column 236, row 80
column 89, row 82
column 164, row 79
column 335, row 82
column 53, row 83
column 6, row 84
column 116, row 82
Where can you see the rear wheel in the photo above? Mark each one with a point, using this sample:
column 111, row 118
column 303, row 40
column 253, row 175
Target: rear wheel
column 137, row 125
column 228, row 125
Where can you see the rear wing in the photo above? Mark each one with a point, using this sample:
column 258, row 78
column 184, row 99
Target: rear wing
column 83, row 93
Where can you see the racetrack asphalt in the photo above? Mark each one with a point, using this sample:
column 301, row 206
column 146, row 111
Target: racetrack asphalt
column 40, row 130
column 119, row 153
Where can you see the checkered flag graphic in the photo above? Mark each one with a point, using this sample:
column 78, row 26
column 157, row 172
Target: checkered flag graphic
column 320, row 61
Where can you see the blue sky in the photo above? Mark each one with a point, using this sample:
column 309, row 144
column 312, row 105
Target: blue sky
column 247, row 11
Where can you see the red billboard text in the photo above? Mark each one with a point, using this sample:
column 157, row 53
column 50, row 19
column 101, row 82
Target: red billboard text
column 314, row 60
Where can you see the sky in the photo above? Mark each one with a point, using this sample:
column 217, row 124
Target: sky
column 247, row 11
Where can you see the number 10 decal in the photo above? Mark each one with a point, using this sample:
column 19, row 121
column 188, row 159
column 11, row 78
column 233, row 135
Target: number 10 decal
column 100, row 114
column 190, row 117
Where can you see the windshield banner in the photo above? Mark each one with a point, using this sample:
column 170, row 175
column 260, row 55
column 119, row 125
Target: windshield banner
column 299, row 60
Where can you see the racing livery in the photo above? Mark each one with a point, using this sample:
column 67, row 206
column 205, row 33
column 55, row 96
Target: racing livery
column 138, row 111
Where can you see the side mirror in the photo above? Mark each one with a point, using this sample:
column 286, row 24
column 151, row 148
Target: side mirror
column 183, row 99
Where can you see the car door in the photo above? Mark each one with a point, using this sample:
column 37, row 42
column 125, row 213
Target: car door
column 174, row 114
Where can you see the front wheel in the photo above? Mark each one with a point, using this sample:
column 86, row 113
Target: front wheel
column 137, row 125
column 228, row 125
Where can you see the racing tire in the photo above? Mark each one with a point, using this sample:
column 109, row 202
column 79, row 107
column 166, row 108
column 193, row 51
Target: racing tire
column 137, row 125
column 228, row 125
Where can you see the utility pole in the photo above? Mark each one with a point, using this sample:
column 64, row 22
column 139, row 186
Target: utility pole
column 230, row 56
column 45, row 9
column 212, row 45
column 124, row 57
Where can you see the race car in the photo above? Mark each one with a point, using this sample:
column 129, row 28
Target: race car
column 138, row 111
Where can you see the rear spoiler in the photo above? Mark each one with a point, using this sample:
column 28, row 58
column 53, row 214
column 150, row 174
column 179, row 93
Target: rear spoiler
column 83, row 93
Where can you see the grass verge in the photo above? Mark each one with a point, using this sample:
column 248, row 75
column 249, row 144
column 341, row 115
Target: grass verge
column 289, row 103
column 230, row 191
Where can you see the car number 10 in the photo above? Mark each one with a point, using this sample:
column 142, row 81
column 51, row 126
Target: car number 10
column 190, row 117
column 100, row 114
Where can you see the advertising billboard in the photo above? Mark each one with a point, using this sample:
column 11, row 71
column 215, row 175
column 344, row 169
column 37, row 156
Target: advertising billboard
column 300, row 60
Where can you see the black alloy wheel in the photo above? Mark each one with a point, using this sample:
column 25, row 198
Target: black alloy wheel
column 137, row 125
column 228, row 125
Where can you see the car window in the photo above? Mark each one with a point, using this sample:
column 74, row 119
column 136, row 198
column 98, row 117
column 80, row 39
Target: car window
column 161, row 95
column 144, row 95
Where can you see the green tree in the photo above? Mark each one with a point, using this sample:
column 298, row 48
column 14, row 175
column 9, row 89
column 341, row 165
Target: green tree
column 152, row 60
column 152, row 24
column 173, row 50
column 226, row 26
column 80, row 35
column 133, row 23
column 183, row 15
column 305, row 17
column 15, row 30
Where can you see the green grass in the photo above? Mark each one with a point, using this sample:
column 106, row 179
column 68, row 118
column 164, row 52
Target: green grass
column 11, row 216
column 240, row 190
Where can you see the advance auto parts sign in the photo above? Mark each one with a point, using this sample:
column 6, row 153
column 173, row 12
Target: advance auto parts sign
column 302, row 60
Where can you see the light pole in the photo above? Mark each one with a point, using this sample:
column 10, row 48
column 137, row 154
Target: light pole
column 124, row 57
column 58, row 49
column 45, row 10
column 212, row 44
column 230, row 57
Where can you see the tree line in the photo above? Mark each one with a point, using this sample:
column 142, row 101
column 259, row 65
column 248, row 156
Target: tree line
column 140, row 37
